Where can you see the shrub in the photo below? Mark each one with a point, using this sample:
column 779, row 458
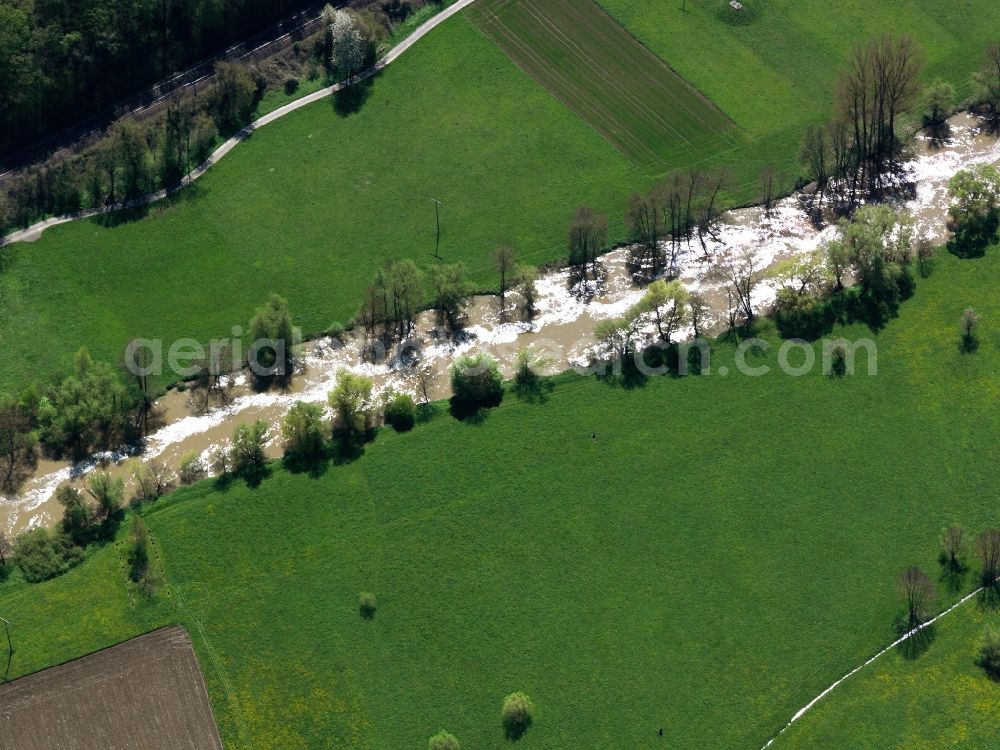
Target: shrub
column 517, row 715
column 443, row 741
column 303, row 432
column 989, row 654
column 476, row 381
column 838, row 362
column 367, row 604
column 291, row 86
column 41, row 555
column 401, row 412
column 192, row 469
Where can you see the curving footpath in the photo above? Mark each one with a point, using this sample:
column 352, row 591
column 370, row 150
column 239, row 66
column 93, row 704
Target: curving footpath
column 35, row 230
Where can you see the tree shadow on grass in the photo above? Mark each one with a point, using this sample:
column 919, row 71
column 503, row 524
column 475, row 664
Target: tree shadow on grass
column 989, row 597
column 952, row 574
column 918, row 643
column 470, row 412
column 968, row 345
column 349, row 100
column 313, row 466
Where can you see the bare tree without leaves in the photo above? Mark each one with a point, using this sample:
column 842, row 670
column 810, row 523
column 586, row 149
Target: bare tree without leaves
column 505, row 262
column 740, row 270
column 212, row 379
column 588, row 236
column 917, row 591
column 768, row 188
column 952, row 546
column 881, row 83
column 988, row 551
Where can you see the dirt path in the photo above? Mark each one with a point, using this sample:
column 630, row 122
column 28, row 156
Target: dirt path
column 33, row 232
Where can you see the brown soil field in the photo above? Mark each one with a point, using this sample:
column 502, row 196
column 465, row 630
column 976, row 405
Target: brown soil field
column 145, row 693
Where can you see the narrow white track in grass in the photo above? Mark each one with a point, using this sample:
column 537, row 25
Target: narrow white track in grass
column 802, row 711
column 35, row 230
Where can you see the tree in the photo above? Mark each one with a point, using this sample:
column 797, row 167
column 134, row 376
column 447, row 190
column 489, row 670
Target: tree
column 815, row 157
column 768, row 188
column 881, row 83
column 153, row 479
column 129, row 146
column 476, row 381
column 304, row 432
column 988, row 551
column 741, row 271
column 77, row 513
column 401, row 412
column 353, row 405
column 17, row 442
column 952, row 546
column 191, row 468
column 588, row 236
column 617, row 337
column 443, row 741
column 270, row 355
column 212, row 375
column 838, row 262
column 505, row 262
column 970, row 322
column 139, row 554
column 516, row 714
column 347, row 45
column 699, row 311
column 643, row 221
column 987, row 80
column 974, row 196
column 235, row 96
column 403, row 286
column 5, row 549
column 917, row 591
column 108, row 492
column 989, row 653
column 667, row 303
column 528, row 276
column 177, row 130
column 939, row 101
column 450, row 290
column 528, row 383
column 246, row 456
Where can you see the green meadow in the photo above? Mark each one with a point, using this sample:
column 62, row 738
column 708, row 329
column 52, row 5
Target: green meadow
column 720, row 552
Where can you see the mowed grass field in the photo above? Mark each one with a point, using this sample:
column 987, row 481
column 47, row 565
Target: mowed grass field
column 310, row 206
column 600, row 71
column 773, row 67
column 722, row 551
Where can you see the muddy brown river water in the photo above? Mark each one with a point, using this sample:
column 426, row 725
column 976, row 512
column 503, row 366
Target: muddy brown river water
column 561, row 330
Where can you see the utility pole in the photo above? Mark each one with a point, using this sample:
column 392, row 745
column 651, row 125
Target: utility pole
column 437, row 216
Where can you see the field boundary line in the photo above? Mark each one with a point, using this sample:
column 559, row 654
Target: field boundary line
column 35, row 231
column 906, row 636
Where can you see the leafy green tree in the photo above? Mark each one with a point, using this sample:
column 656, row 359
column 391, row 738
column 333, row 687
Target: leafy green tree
column 78, row 515
column 109, row 493
column 939, row 102
column 666, row 302
column 404, row 294
column 476, row 381
column 974, row 195
column 270, row 355
column 304, row 432
column 246, row 456
column 450, row 289
column 42, row 555
column 517, row 715
column 235, row 96
column 528, row 277
column 401, row 412
column 353, row 404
